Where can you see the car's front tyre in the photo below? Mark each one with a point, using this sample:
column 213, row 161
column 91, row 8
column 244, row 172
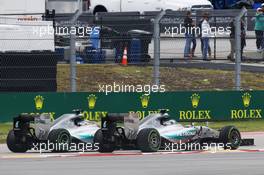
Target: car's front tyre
column 61, row 140
column 230, row 137
column 148, row 140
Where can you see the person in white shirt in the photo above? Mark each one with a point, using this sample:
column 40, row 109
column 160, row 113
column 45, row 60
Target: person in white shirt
column 206, row 34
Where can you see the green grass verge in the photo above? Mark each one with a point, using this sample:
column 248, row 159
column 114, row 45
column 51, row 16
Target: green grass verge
column 245, row 126
column 89, row 77
column 4, row 129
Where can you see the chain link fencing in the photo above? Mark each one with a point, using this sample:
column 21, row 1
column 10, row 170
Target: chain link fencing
column 103, row 41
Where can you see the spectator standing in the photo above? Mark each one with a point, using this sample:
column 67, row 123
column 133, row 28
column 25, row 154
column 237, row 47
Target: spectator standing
column 188, row 24
column 194, row 43
column 232, row 39
column 200, row 35
column 259, row 28
column 206, row 34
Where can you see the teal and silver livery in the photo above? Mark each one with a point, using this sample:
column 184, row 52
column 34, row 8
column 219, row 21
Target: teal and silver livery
column 30, row 131
column 79, row 129
column 173, row 132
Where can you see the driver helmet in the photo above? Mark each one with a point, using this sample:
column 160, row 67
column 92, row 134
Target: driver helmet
column 169, row 122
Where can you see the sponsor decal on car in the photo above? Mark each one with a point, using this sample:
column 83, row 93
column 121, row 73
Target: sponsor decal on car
column 181, row 135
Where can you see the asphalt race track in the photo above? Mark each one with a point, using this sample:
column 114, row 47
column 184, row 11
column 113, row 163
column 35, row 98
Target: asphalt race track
column 200, row 164
column 246, row 161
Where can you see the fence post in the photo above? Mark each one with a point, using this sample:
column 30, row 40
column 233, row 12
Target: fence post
column 73, row 62
column 214, row 40
column 238, row 48
column 156, row 71
column 73, row 76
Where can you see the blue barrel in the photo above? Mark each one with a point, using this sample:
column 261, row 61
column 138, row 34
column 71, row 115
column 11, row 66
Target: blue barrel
column 79, row 60
column 135, row 53
column 60, row 53
column 95, row 56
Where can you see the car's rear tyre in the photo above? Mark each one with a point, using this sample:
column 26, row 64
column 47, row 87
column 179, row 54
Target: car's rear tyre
column 104, row 147
column 230, row 137
column 148, row 140
column 15, row 144
column 60, row 140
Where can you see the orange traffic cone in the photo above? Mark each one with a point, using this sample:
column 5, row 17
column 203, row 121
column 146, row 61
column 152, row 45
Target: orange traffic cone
column 124, row 59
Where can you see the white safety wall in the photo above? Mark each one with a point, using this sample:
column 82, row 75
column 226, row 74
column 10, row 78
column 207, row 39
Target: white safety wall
column 22, row 6
column 22, row 35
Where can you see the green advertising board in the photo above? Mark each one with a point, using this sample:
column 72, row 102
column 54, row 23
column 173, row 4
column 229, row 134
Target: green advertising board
column 183, row 106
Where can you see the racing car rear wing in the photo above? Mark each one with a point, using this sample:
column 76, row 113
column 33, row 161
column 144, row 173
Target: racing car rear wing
column 24, row 120
column 130, row 121
column 114, row 117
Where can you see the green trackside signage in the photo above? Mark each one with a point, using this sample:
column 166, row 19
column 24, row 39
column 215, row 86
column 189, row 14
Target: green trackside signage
column 183, row 106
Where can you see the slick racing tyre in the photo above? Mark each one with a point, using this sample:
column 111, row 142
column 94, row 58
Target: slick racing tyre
column 230, row 137
column 104, row 147
column 15, row 144
column 60, row 139
column 148, row 140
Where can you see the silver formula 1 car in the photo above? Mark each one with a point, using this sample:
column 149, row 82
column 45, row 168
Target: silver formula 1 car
column 158, row 131
column 32, row 130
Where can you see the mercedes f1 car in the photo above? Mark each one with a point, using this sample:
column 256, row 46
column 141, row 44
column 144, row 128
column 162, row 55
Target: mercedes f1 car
column 30, row 130
column 157, row 131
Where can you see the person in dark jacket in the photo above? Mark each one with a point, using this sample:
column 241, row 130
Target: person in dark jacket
column 232, row 39
column 194, row 43
column 188, row 24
